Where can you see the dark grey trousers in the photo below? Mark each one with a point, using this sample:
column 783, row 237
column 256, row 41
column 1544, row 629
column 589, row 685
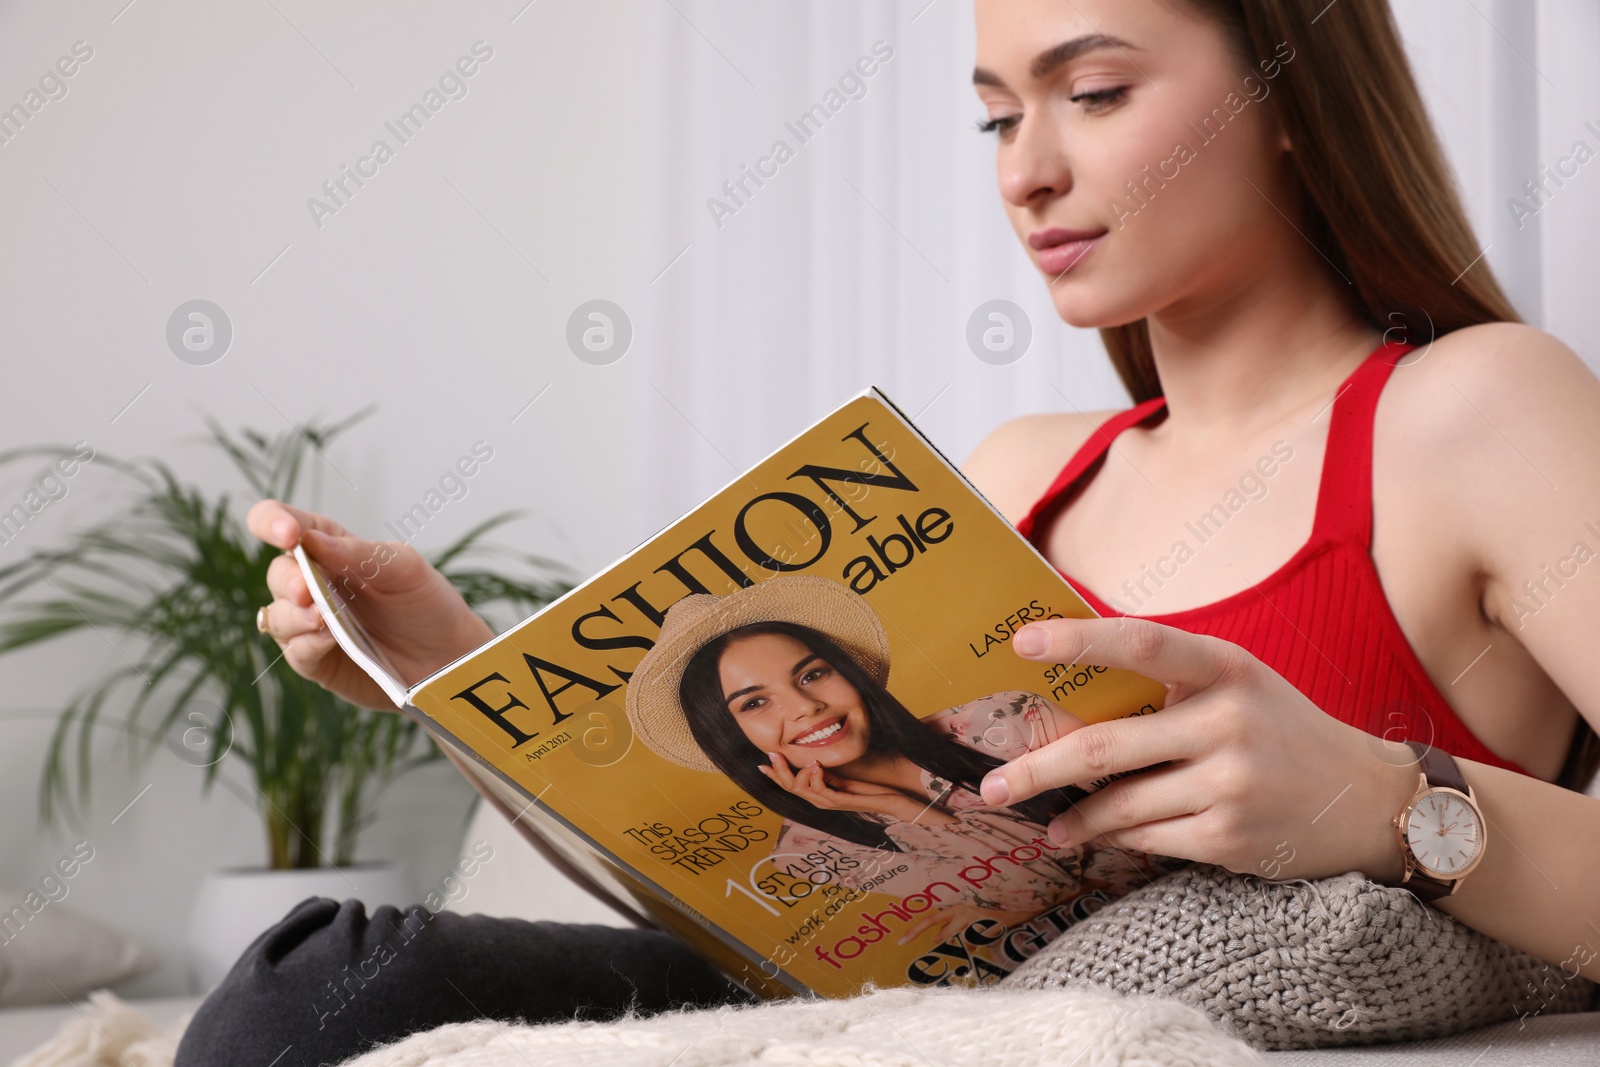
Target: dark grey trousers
column 328, row 982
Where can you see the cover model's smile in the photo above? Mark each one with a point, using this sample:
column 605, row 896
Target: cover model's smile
column 832, row 731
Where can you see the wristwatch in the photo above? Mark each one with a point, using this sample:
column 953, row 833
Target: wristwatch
column 1441, row 829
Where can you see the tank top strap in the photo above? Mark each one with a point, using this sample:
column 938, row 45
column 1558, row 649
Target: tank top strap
column 1091, row 452
column 1344, row 498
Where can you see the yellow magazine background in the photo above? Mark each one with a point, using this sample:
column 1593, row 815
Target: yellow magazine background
column 980, row 580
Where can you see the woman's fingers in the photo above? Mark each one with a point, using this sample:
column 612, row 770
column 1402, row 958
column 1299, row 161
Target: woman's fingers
column 1178, row 836
column 1097, row 751
column 282, row 525
column 1165, row 653
column 951, row 920
column 286, row 583
column 816, row 790
column 307, row 652
column 777, row 768
column 287, row 620
column 955, row 925
column 771, row 771
column 927, row 922
column 347, row 554
column 1191, row 663
column 853, row 787
column 809, row 783
column 1147, row 797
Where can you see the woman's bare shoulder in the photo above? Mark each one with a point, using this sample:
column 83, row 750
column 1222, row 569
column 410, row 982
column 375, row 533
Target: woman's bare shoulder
column 1459, row 390
column 1016, row 463
column 1489, row 418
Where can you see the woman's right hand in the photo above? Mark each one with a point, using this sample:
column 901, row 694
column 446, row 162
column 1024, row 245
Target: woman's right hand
column 406, row 606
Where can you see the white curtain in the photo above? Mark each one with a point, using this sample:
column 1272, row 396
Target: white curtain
column 859, row 261
column 857, row 264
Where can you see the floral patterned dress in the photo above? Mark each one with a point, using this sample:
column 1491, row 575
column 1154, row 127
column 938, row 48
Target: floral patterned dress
column 997, row 859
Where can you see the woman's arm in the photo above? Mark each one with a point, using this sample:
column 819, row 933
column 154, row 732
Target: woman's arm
column 1262, row 781
column 1538, row 886
column 1516, row 421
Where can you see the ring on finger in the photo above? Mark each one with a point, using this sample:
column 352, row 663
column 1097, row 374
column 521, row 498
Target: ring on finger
column 261, row 618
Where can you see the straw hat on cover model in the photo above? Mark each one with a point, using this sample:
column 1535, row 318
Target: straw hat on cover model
column 1246, row 198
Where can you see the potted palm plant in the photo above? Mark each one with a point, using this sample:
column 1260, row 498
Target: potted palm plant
column 178, row 575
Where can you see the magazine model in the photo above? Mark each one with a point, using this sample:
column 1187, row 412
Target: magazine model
column 764, row 729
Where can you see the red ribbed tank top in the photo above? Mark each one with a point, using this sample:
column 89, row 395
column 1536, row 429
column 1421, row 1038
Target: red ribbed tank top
column 1321, row 620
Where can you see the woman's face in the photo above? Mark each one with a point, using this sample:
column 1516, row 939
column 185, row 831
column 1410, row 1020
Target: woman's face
column 1079, row 119
column 789, row 700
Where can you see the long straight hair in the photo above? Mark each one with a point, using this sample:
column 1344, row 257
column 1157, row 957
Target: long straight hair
column 891, row 728
column 1378, row 198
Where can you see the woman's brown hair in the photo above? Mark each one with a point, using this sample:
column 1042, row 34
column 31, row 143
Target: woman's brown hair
column 1378, row 199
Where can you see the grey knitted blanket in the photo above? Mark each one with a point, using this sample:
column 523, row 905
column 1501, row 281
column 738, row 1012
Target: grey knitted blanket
column 1283, row 965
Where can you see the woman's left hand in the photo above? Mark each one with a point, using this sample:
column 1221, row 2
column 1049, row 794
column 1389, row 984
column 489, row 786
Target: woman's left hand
column 1256, row 779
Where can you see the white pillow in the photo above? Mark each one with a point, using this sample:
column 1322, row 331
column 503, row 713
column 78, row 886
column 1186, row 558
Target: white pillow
column 48, row 951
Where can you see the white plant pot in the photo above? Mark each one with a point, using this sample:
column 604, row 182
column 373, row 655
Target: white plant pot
column 236, row 906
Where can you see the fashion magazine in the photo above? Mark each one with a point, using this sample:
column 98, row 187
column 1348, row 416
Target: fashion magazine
column 764, row 729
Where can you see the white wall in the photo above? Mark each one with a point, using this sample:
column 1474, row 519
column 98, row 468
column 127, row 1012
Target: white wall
column 577, row 167
column 190, row 143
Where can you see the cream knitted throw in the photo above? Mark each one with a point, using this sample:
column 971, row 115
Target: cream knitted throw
column 1183, row 971
column 1336, row 961
column 886, row 1028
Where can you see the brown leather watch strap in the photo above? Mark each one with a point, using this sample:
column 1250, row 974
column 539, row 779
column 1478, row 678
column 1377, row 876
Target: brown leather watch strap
column 1438, row 766
column 1426, row 887
column 1440, row 769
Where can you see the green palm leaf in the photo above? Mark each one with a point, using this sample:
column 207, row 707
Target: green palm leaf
column 173, row 584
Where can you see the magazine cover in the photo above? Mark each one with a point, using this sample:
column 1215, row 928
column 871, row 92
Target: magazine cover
column 765, row 728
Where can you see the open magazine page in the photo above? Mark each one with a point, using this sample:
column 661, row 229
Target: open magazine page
column 345, row 625
column 773, row 718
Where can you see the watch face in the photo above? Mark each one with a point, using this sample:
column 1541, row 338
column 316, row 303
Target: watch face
column 1445, row 833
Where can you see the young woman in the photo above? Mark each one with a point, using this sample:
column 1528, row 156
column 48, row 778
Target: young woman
column 1245, row 197
column 781, row 686
column 1289, row 274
